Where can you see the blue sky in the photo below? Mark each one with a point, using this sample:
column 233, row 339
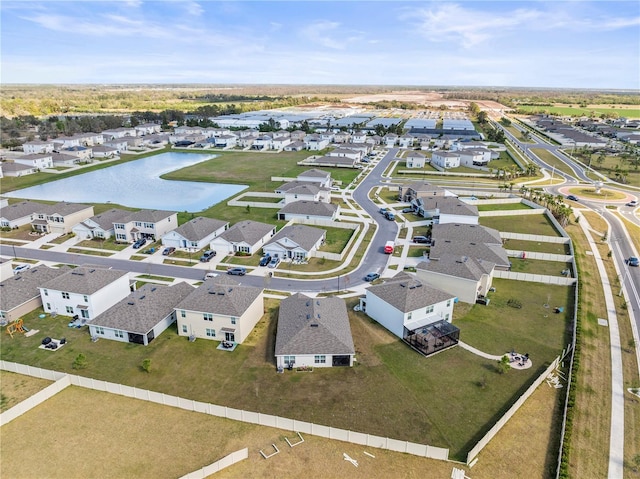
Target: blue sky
column 570, row 44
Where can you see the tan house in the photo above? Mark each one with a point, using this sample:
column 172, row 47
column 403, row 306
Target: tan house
column 61, row 217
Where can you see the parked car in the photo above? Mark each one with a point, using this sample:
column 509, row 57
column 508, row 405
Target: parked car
column 572, row 198
column 365, row 160
column 140, row 243
column 168, row 251
column 335, row 188
column 390, row 216
column 407, row 210
column 207, row 255
column 209, row 276
column 22, row 267
column 371, row 277
column 633, row 203
column 274, row 262
column 421, row 239
column 238, row 271
column 264, row 261
column 383, row 211
column 632, row 261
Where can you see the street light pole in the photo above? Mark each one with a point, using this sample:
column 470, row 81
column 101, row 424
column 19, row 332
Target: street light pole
column 338, row 284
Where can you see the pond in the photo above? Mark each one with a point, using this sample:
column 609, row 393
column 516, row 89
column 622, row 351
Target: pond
column 137, row 184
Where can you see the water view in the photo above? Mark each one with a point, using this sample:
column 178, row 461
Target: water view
column 137, row 184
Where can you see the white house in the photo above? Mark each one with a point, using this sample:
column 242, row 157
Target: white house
column 85, row 291
column 37, row 146
column 445, row 209
column 226, row 141
column 149, row 224
column 15, row 169
column 315, row 142
column 359, row 137
column 313, row 332
column 474, row 158
column 83, row 153
column 406, row 141
column 262, row 142
column 244, row 237
column 147, row 129
column 445, row 159
column 65, row 142
column 100, row 226
column 406, row 306
column 63, row 159
column 309, row 210
column 141, row 316
column 390, row 140
column 280, row 142
column 303, row 191
column 196, row 233
column 118, row 133
column 18, row 214
column 296, row 242
column 102, row 151
column 36, row 160
column 415, row 159
column 346, row 153
column 220, row 309
column 120, row 144
column 322, row 178
column 463, row 276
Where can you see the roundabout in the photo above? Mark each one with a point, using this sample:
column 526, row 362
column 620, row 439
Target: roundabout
column 588, row 192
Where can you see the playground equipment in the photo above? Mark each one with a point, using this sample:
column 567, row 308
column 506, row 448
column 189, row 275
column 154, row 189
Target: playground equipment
column 16, row 326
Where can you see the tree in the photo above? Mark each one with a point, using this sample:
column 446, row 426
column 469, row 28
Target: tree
column 482, row 116
column 146, row 365
column 80, row 362
column 474, row 109
column 503, row 364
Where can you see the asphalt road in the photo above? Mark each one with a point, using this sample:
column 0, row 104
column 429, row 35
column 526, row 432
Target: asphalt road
column 374, row 259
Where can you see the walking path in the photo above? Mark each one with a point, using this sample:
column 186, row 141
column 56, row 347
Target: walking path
column 477, row 352
column 616, row 440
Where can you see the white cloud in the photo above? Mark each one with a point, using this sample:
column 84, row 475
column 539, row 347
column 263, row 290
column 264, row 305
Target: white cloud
column 194, row 9
column 322, row 33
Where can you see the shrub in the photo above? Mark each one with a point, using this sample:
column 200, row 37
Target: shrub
column 514, row 303
column 146, row 365
column 80, row 362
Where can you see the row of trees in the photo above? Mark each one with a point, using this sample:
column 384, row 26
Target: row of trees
column 554, row 203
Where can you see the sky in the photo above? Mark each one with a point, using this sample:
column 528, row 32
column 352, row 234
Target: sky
column 557, row 44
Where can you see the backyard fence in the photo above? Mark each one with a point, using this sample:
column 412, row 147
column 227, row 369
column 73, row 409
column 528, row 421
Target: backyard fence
column 512, row 410
column 537, row 255
column 35, row 400
column 217, row 466
column 535, row 278
column 524, row 211
column 537, row 238
column 269, row 420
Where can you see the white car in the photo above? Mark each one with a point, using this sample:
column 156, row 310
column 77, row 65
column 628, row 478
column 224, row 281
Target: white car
column 633, row 203
column 21, row 268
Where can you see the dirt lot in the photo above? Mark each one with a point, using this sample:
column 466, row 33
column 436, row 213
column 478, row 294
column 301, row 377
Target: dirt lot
column 429, row 99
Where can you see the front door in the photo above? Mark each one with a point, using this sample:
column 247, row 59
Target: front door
column 229, row 337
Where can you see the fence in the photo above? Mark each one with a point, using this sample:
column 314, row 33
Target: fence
column 257, row 204
column 537, row 238
column 35, row 400
column 537, row 255
column 217, row 466
column 512, row 410
column 523, row 211
column 287, row 424
column 535, row 278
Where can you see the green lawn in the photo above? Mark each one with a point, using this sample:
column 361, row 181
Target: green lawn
column 503, row 207
column 417, row 251
column 504, row 161
column 552, row 160
column 336, row 239
column 527, row 224
column 261, row 199
column 538, row 266
column 448, row 400
column 109, row 244
column 522, row 245
column 89, row 252
column 577, row 111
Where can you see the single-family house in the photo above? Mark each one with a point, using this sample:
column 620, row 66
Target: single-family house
column 339, row 161
column 359, row 136
column 322, row 178
column 36, row 160
column 295, row 146
column 244, row 237
column 473, row 158
column 342, row 137
column 465, row 277
column 313, row 332
column 346, row 153
column 309, row 210
column 416, row 189
column 103, row 151
column 303, row 190
column 141, row 316
column 6, row 269
column 19, row 294
column 297, row 135
column 90, row 138
column 64, row 159
column 415, row 159
column 280, row 142
column 226, row 141
column 147, row 129
column 38, row 146
column 149, row 224
column 445, row 209
column 83, row 153
column 390, row 140
column 100, row 226
column 18, row 214
column 296, row 242
column 407, row 306
column 445, row 159
column 220, row 309
column 118, row 133
column 196, row 233
column 65, row 142
column 61, row 217
column 406, row 141
column 315, row 142
column 262, row 142
column 121, row 144
column 327, row 135
column 10, row 168
column 85, row 291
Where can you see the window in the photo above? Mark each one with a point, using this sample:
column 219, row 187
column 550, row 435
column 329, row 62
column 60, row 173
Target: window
column 211, row 332
column 409, row 315
column 429, row 309
column 99, row 330
column 48, row 305
column 184, row 328
column 65, row 295
column 322, row 359
column 46, row 292
column 121, row 237
column 118, row 333
column 138, row 224
column 84, row 313
column 289, row 360
column 207, row 316
column 446, row 317
column 85, row 298
column 183, row 313
column 118, row 226
column 149, row 225
column 448, row 303
column 69, row 309
column 233, row 320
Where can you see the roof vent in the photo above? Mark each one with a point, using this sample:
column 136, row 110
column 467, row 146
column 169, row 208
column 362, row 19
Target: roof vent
column 131, row 303
column 307, row 304
column 220, row 293
column 308, row 316
column 92, row 271
column 142, row 297
column 153, row 289
column 314, row 325
column 230, row 289
column 78, row 273
column 403, row 285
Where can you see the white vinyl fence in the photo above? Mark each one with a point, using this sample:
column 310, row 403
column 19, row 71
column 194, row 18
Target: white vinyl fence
column 35, row 400
column 287, row 424
column 217, row 466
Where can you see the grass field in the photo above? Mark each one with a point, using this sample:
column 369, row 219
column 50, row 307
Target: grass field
column 538, row 266
column 632, row 112
column 608, row 165
column 590, row 193
column 108, row 244
column 15, row 388
column 419, row 396
column 504, row 207
column 522, row 245
column 552, row 160
column 529, row 224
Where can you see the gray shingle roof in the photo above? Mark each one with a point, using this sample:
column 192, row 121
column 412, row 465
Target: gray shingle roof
column 247, row 231
column 302, row 235
column 465, row 232
column 150, row 216
column 335, row 160
column 408, row 293
column 286, row 187
column 313, row 326
column 448, row 205
column 20, row 210
column 221, row 295
column 84, row 280
column 57, row 157
column 7, row 166
column 23, row 286
column 458, row 266
column 304, row 190
column 424, row 187
column 311, row 208
column 106, row 219
column 199, row 227
column 63, row 208
column 475, row 241
column 143, row 309
column 315, row 173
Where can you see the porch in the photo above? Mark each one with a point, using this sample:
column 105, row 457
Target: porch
column 433, row 337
